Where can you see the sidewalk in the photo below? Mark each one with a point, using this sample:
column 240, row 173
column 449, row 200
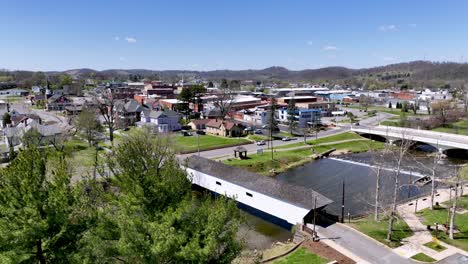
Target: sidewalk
column 415, row 244
column 357, row 246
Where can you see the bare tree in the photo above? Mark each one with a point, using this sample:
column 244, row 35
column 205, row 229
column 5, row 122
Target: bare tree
column 272, row 123
column 365, row 101
column 399, row 154
column 224, row 100
column 106, row 107
column 435, row 163
column 453, row 209
column 379, row 160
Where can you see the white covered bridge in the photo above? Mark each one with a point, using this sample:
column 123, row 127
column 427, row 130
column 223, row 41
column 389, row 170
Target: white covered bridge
column 441, row 141
column 281, row 202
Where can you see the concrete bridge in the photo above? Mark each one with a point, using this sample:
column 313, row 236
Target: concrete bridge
column 441, row 141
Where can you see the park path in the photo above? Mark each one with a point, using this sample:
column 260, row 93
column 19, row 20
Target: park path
column 415, row 244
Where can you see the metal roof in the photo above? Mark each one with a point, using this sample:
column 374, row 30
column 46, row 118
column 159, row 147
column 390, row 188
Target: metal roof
column 293, row 194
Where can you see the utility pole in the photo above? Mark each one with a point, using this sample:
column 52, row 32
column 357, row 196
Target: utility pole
column 198, row 144
column 314, row 236
column 342, row 202
column 409, row 183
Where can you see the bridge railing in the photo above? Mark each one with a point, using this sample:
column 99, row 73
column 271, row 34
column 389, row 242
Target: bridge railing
column 425, row 132
column 433, row 138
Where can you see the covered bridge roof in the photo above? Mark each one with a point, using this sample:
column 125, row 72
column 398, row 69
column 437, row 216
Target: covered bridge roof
column 293, row 194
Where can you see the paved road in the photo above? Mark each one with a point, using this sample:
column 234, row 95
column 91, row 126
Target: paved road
column 360, row 245
column 252, row 148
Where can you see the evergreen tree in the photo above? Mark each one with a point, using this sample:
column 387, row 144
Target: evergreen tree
column 291, row 114
column 390, row 104
column 6, row 120
column 154, row 218
column 42, row 215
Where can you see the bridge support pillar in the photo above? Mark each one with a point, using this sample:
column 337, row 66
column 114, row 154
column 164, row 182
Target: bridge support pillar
column 441, row 153
column 390, row 142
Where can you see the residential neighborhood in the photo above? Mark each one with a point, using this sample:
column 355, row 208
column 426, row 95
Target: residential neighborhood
column 239, row 132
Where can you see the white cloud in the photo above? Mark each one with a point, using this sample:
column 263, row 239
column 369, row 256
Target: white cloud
column 131, row 40
column 116, row 38
column 389, row 59
column 413, row 25
column 310, row 42
column 330, row 48
column 386, row 28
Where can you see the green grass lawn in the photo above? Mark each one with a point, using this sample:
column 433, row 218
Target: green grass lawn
column 330, row 139
column 440, row 215
column 301, row 255
column 423, row 257
column 378, row 230
column 257, row 137
column 80, row 154
column 187, row 144
column 262, row 163
column 385, row 109
column 394, row 121
column 435, row 246
column 460, row 127
column 287, row 159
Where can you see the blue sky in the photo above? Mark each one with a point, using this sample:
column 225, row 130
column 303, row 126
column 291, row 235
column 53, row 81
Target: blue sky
column 235, row 34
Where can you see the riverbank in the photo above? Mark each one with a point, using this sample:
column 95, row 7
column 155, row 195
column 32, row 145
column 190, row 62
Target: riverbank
column 297, row 154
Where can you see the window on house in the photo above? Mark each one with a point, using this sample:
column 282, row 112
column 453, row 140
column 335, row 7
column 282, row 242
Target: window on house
column 248, row 194
column 218, row 183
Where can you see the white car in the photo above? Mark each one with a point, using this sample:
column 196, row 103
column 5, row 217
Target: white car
column 261, row 143
column 286, row 139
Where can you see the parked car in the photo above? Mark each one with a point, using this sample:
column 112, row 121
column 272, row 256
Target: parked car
column 201, row 132
column 261, row 143
column 286, row 139
column 248, row 129
column 185, row 133
column 258, row 131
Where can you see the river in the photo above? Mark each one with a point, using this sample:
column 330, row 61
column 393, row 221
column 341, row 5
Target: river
column 359, row 177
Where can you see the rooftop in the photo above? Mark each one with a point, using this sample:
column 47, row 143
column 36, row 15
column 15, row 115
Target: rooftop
column 293, row 194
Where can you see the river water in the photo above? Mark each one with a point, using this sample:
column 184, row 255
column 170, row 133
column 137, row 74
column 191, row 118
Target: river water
column 359, row 175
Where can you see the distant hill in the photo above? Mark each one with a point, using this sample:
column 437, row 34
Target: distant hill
column 414, row 73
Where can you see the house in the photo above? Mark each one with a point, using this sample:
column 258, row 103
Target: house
column 14, row 92
column 128, row 112
column 163, row 121
column 25, row 118
column 199, row 124
column 48, row 133
column 224, row 128
column 58, row 102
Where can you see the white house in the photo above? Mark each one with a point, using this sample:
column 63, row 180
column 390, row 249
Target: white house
column 290, row 204
column 164, row 121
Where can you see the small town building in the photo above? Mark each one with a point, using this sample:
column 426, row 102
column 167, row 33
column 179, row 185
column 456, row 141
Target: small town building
column 163, row 121
column 58, row 102
column 128, row 112
column 303, row 117
column 224, row 128
column 199, row 124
